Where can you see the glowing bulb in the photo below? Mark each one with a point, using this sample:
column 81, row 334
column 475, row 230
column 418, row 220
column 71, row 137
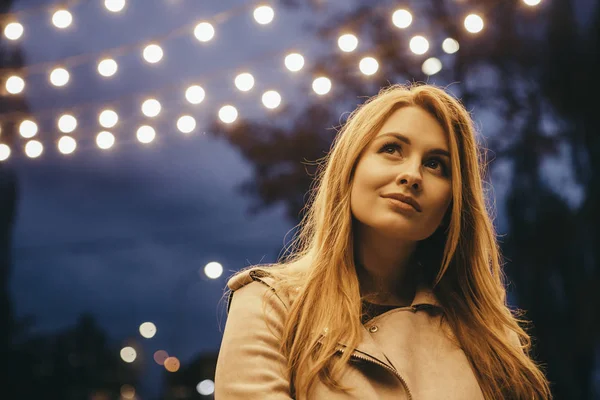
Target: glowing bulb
column 28, row 129
column 294, row 62
column 105, row 140
column 67, row 123
column 263, row 14
column 153, row 53
column 148, row 330
column 213, row 270
column 228, row 114
column 473, row 23
column 128, row 354
column 321, row 85
column 271, row 99
column 186, row 124
column 195, row 94
column 59, row 77
column 67, row 145
column 402, row 18
column 146, row 134
column 244, row 82
column 419, row 45
column 348, row 42
column 114, row 5
column 151, row 108
column 206, row 387
column 431, row 66
column 368, row 66
column 13, row 31
column 62, row 19
column 204, row 31
column 108, row 118
column 107, row 67
column 450, row 46
column 4, row 152
column 33, row 149
column 15, row 85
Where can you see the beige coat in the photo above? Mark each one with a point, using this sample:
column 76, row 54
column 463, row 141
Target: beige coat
column 403, row 353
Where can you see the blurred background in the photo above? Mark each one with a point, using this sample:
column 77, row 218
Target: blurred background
column 151, row 148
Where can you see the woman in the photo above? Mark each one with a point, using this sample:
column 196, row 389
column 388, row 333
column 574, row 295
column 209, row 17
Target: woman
column 394, row 288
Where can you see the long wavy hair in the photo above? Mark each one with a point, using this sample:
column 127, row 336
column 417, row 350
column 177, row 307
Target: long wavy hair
column 461, row 263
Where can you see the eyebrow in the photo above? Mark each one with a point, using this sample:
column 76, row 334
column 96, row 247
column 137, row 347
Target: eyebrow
column 406, row 140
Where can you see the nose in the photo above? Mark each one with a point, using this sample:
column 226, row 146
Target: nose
column 411, row 177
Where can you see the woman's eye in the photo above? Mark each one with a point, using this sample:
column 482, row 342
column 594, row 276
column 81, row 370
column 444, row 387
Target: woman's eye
column 388, row 146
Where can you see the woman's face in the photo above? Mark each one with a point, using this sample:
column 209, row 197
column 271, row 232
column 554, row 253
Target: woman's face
column 408, row 157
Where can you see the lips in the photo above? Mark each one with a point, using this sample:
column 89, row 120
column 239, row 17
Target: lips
column 405, row 199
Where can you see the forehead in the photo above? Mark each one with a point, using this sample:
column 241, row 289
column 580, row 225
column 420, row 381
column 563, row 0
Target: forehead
column 418, row 125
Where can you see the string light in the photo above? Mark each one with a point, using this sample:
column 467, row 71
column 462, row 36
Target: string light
column 402, row 18
column 419, row 45
column 153, row 53
column 368, row 66
column 128, row 354
column 146, row 134
column 264, row 15
column 186, row 124
column 228, row 114
column 28, row 129
column 107, row 67
column 15, row 84
column 473, row 23
column 108, row 118
column 244, row 81
column 67, row 145
column 62, row 19
column 204, row 31
column 4, row 152
column 67, row 123
column 151, row 108
column 294, row 62
column 450, row 46
column 13, row 31
column 348, row 42
column 59, row 77
column 321, row 85
column 105, row 140
column 271, row 99
column 431, row 66
column 195, row 94
column 114, row 5
column 34, row 149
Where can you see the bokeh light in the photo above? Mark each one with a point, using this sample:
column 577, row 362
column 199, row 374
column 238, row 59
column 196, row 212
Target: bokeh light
column 107, row 67
column 473, row 23
column 13, row 31
column 228, row 114
column 431, row 66
column 204, row 31
column 4, row 152
column 264, row 14
column 127, row 392
column 195, row 94
column 419, row 45
column 368, row 66
column 33, row 149
column 402, row 18
column 148, row 330
column 62, row 19
column 67, row 123
column 151, row 108
column 206, row 387
column 114, row 5
column 160, row 356
column 213, row 270
column 172, row 364
column 15, row 84
column 153, row 53
column 450, row 46
column 28, row 129
column 294, row 62
column 145, row 134
column 244, row 81
column 532, row 3
column 186, row 124
column 271, row 99
column 59, row 77
column 105, row 140
column 67, row 145
column 108, row 118
column 321, row 85
column 128, row 354
column 347, row 42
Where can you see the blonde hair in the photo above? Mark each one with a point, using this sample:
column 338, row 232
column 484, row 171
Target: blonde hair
column 464, row 272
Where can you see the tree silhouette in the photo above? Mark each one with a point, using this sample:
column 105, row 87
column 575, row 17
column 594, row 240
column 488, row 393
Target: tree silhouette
column 533, row 74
